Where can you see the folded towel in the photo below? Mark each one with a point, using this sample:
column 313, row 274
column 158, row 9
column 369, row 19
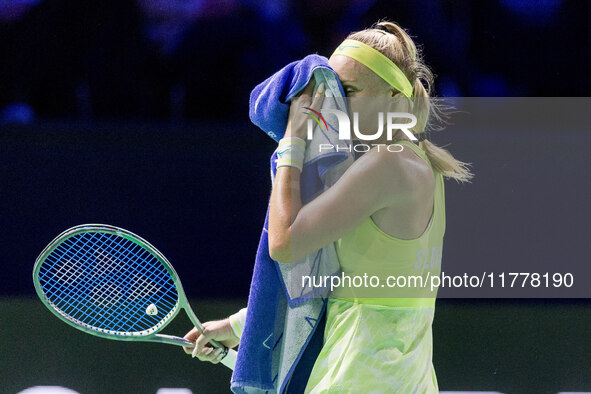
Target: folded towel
column 269, row 101
column 283, row 329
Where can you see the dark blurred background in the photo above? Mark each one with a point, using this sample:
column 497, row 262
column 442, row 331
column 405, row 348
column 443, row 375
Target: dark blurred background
column 180, row 59
column 135, row 114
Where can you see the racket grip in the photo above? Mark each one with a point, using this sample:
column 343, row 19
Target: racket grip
column 229, row 359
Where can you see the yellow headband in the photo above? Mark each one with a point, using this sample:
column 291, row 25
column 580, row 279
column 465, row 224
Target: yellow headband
column 376, row 62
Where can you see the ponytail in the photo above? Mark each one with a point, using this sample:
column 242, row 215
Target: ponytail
column 395, row 43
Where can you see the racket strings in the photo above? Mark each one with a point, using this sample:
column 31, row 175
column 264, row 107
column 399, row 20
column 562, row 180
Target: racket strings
column 80, row 307
column 101, row 287
column 106, row 282
column 77, row 307
column 65, row 291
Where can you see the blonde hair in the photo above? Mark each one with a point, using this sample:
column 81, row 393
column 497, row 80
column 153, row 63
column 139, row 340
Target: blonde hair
column 395, row 43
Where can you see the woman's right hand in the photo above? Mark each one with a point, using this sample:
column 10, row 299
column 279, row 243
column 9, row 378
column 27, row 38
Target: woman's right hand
column 220, row 331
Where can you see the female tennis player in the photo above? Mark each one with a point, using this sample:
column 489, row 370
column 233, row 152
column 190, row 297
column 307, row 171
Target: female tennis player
column 386, row 216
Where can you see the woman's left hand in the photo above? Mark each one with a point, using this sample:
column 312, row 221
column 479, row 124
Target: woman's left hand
column 297, row 123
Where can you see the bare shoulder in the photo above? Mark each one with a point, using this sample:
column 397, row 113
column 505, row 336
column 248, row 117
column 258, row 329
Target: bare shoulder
column 399, row 169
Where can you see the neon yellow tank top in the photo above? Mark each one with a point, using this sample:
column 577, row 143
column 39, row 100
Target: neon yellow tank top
column 368, row 250
column 377, row 344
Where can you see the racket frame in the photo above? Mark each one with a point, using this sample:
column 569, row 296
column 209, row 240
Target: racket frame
column 149, row 335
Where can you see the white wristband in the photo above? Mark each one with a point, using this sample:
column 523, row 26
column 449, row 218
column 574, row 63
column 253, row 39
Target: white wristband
column 237, row 321
column 291, row 152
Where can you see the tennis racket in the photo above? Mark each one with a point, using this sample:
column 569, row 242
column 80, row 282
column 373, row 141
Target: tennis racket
column 111, row 283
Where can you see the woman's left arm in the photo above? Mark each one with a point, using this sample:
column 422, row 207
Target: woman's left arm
column 368, row 185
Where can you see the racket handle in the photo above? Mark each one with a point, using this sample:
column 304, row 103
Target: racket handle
column 230, row 359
